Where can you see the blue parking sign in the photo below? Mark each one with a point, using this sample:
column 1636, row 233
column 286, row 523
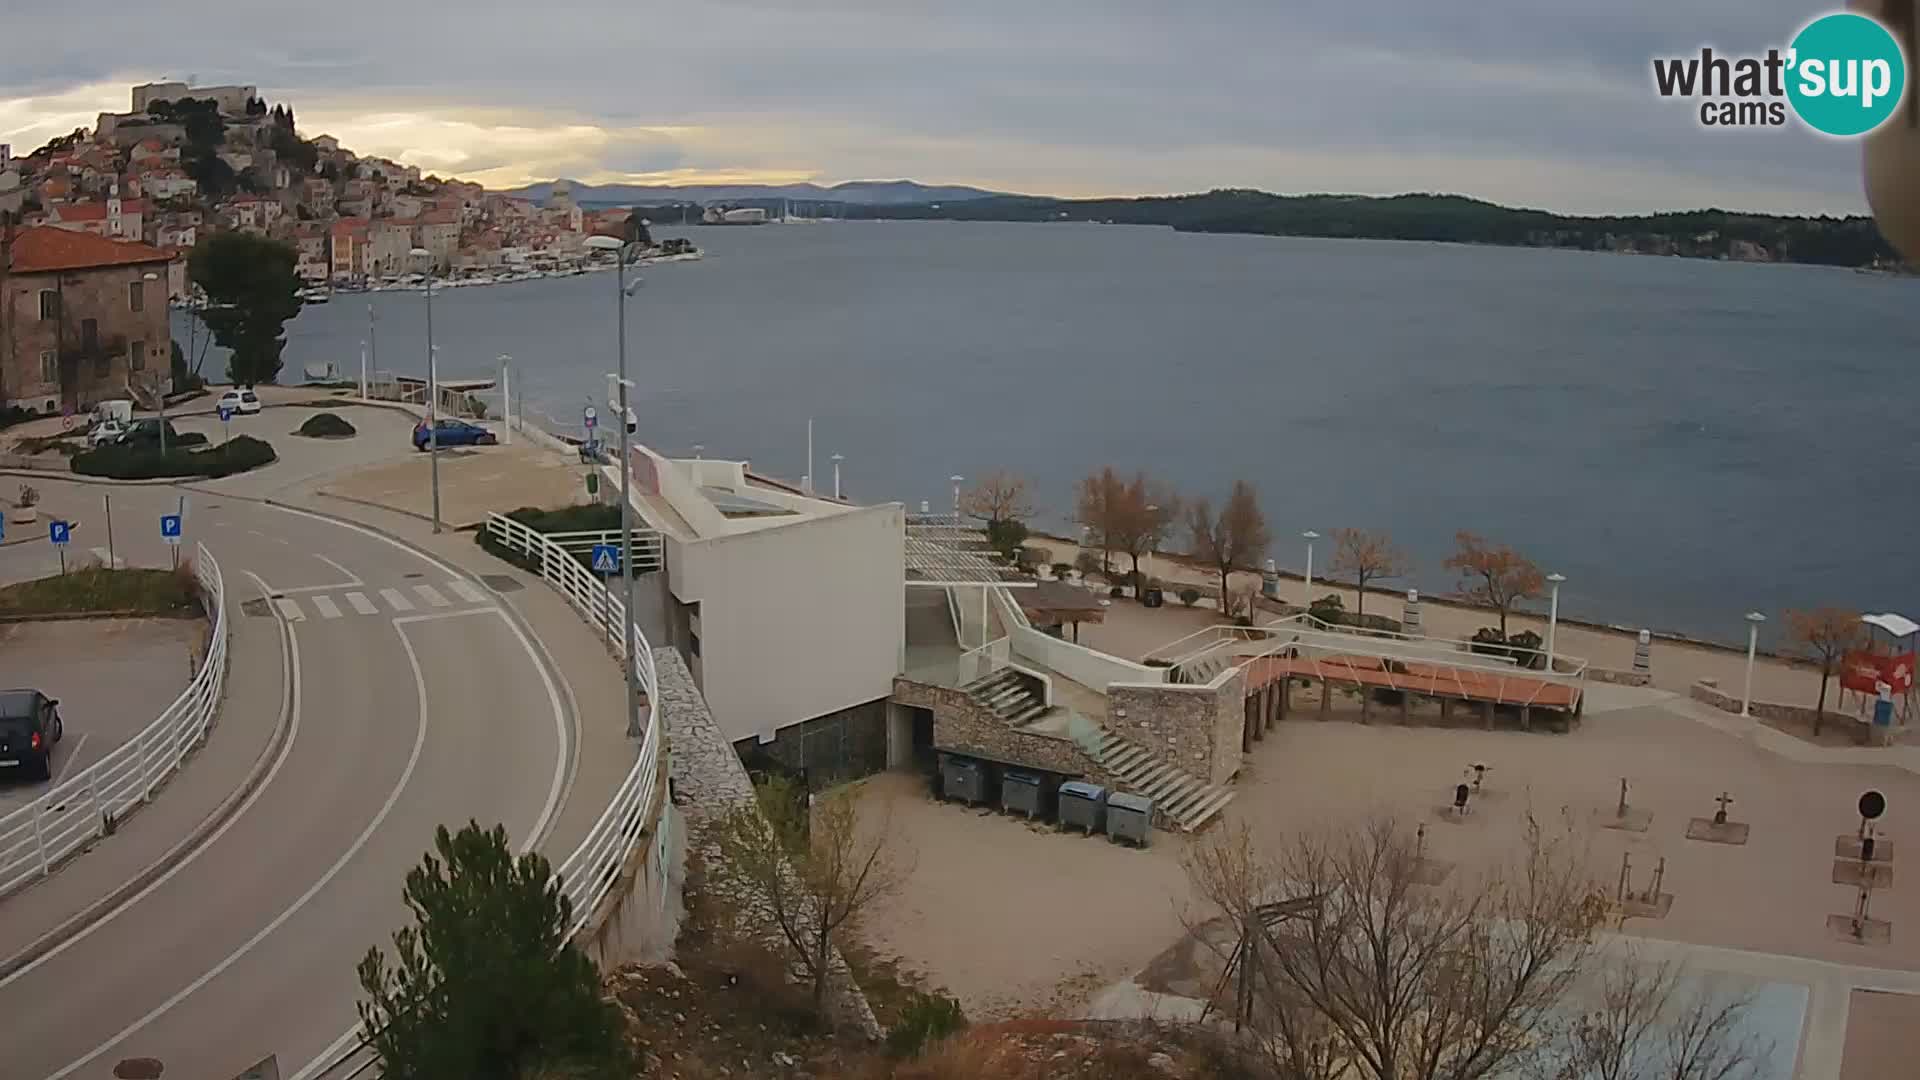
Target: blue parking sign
column 606, row 559
column 59, row 532
column 226, row 414
column 170, row 528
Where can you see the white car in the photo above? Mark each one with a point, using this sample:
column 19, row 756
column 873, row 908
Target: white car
column 241, row 401
column 106, row 431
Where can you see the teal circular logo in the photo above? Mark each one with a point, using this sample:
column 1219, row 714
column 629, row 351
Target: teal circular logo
column 1846, row 74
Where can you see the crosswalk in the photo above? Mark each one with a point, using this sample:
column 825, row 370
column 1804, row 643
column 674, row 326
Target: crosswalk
column 389, row 600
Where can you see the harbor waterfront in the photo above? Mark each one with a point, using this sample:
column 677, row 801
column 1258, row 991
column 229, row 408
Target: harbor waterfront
column 1684, row 440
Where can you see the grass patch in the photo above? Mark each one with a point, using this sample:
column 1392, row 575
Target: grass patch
column 238, row 454
column 63, row 443
column 591, row 518
column 95, row 589
column 326, row 425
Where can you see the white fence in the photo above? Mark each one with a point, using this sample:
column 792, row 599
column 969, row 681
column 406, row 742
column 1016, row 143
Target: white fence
column 647, row 546
column 77, row 809
column 589, row 596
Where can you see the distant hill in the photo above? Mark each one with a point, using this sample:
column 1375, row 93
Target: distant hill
column 851, row 193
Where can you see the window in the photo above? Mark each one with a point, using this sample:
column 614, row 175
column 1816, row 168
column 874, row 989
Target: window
column 49, row 304
column 89, row 335
column 49, row 366
column 102, row 366
column 137, row 296
column 137, row 356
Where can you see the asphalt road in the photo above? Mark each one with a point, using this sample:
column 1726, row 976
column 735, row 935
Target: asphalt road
column 413, row 701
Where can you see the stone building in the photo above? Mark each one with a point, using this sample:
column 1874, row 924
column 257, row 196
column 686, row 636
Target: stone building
column 79, row 315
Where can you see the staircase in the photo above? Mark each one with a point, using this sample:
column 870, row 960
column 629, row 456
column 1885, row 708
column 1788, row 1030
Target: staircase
column 1177, row 795
column 1202, row 669
column 1011, row 695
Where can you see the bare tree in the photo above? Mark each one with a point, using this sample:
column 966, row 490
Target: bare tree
column 1826, row 634
column 805, row 875
column 1143, row 515
column 1494, row 575
column 1367, row 556
column 1648, row 1020
column 1100, row 505
column 1231, row 540
column 999, row 496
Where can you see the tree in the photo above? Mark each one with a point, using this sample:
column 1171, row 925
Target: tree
column 1099, row 504
column 998, row 496
column 1496, row 576
column 1647, row 1020
column 253, row 290
column 1231, row 540
column 805, row 876
column 487, row 984
column 1826, row 634
column 1143, row 515
column 1368, row 556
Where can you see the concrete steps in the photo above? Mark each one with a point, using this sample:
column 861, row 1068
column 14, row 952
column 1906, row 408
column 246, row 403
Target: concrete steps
column 1009, row 695
column 1177, row 795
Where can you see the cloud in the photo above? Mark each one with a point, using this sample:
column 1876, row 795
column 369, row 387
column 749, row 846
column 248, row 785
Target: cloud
column 1505, row 99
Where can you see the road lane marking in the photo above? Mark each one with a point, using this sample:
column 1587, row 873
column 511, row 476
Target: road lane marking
column 393, row 798
column 395, row 600
column 290, row 608
column 326, row 607
column 73, row 755
column 467, row 592
column 432, row 596
column 289, row 715
column 352, row 578
column 361, row 604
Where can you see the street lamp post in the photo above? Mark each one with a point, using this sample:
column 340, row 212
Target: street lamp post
column 1153, row 522
column 837, row 459
column 1754, row 619
column 433, row 390
column 506, row 399
column 1307, row 589
column 956, row 478
column 622, row 291
column 1553, row 616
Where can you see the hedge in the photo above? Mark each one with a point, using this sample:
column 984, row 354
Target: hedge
column 238, row 454
column 326, row 425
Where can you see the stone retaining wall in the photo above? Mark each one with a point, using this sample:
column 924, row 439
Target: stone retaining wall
column 962, row 724
column 1197, row 727
column 1622, row 678
column 1709, row 692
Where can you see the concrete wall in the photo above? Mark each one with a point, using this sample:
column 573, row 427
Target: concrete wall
column 959, row 723
column 1708, row 691
column 796, row 621
column 1625, row 678
column 1195, row 727
column 1077, row 662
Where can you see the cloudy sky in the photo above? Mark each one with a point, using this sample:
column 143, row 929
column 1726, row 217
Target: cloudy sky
column 1541, row 104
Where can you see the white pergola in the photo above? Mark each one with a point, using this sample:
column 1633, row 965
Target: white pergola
column 943, row 555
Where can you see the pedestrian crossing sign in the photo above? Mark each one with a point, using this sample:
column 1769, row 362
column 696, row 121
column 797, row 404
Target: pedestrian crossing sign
column 606, row 559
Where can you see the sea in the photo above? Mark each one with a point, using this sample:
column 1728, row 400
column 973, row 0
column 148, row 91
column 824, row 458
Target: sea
column 1685, row 440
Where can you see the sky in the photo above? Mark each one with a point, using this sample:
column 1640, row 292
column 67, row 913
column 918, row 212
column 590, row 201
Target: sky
column 1518, row 101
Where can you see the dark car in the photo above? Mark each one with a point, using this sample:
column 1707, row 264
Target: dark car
column 453, row 433
column 146, row 434
column 29, row 726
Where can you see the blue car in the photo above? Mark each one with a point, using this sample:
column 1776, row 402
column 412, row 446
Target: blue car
column 453, row 433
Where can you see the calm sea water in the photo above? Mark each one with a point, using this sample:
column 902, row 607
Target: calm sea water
column 1684, row 440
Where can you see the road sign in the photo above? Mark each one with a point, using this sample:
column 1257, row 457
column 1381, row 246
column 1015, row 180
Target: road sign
column 170, row 528
column 226, row 414
column 59, row 532
column 590, row 418
column 3, row 528
column 606, row 559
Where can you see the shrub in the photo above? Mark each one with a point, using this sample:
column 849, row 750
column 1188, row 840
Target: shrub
column 1087, row 563
column 1006, row 537
column 1329, row 609
column 1117, row 591
column 140, row 462
column 1525, row 648
column 1189, row 596
column 326, row 425
column 1060, row 570
column 926, row 1019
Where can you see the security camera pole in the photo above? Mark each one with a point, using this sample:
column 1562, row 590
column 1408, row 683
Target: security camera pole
column 622, row 254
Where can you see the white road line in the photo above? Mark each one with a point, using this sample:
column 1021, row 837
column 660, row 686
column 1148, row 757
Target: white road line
column 352, row 578
column 325, row 605
column 73, row 755
column 396, row 600
column 465, row 590
column 361, row 604
column 290, row 715
column 393, row 797
column 432, row 596
column 290, row 608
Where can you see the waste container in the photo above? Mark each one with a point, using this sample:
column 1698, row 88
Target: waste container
column 1083, row 806
column 1129, row 817
column 963, row 778
column 1153, row 597
column 1022, row 791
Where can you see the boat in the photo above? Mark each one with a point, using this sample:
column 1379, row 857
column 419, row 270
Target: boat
column 314, row 295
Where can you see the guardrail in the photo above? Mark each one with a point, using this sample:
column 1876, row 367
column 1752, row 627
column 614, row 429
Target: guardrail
column 648, row 550
column 79, row 808
column 589, row 596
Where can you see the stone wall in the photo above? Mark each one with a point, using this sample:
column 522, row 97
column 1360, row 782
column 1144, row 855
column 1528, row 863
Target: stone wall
column 708, row 783
column 1622, row 678
column 960, row 723
column 1197, row 728
column 1709, row 692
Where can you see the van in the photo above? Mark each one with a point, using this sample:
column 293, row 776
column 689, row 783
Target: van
column 120, row 410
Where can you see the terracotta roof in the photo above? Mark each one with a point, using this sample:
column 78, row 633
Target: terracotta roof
column 95, row 211
column 43, row 249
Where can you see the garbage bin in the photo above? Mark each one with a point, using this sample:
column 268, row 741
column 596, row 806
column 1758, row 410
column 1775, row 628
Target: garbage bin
column 1083, row 806
column 1022, row 791
column 1154, row 598
column 963, row 778
column 1129, row 817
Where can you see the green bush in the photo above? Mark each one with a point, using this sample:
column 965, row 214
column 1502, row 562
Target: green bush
column 239, row 454
column 592, row 517
column 326, row 425
column 1329, row 609
column 96, row 589
column 925, row 1020
column 1189, row 596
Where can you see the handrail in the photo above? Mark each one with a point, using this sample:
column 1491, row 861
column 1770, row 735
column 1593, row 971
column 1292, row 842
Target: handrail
column 34, row 838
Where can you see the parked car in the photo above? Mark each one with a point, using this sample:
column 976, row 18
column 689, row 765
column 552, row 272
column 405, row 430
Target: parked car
column 241, row 401
column 453, row 433
column 146, row 432
column 106, row 431
column 29, row 726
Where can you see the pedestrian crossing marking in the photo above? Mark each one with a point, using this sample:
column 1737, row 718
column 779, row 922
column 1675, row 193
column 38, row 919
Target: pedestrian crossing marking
column 432, row 596
column 325, row 605
column 467, row 592
column 290, row 610
column 361, row 604
column 395, row 600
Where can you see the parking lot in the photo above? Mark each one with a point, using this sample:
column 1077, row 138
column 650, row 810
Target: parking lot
column 103, row 702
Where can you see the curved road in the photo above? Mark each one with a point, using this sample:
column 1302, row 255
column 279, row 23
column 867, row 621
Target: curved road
column 412, row 701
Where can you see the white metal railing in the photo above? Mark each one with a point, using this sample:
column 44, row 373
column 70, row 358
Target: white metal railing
column 978, row 663
column 648, row 549
column 588, row 594
column 77, row 809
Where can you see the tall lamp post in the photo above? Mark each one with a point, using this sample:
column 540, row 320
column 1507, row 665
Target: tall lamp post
column 1553, row 615
column 1307, row 589
column 622, row 291
column 1754, row 619
column 433, row 389
column 957, row 479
